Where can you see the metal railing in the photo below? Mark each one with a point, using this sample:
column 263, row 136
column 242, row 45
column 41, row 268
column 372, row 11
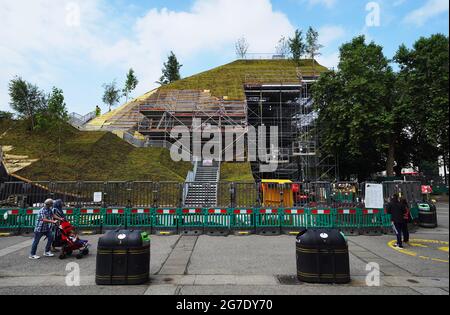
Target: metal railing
column 78, row 120
column 173, row 194
column 264, row 208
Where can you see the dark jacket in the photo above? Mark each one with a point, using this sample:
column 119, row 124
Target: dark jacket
column 58, row 209
column 397, row 211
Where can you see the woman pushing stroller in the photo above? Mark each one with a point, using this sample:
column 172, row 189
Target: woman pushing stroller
column 65, row 234
column 59, row 215
column 52, row 224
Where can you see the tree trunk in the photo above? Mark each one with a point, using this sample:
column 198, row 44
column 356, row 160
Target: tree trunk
column 398, row 170
column 391, row 157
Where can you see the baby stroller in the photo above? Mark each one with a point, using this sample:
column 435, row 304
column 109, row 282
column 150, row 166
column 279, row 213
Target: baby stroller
column 70, row 241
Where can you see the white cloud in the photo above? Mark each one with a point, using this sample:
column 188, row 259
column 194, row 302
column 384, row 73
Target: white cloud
column 429, row 10
column 210, row 26
column 36, row 37
column 331, row 33
column 329, row 60
column 36, row 40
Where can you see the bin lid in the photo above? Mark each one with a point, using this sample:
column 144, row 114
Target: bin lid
column 322, row 239
column 124, row 239
column 424, row 206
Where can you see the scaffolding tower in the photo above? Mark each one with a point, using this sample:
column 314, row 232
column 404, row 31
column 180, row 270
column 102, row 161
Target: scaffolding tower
column 280, row 99
column 174, row 108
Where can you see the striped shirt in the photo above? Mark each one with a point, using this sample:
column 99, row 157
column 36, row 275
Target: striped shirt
column 41, row 226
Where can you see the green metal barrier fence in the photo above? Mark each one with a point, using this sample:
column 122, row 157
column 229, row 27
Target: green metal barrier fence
column 218, row 221
column 90, row 219
column 115, row 218
column 268, row 222
column 243, row 221
column 191, row 221
column 348, row 220
column 213, row 221
column 140, row 218
column 372, row 219
column 10, row 220
column 293, row 220
column 28, row 219
column 165, row 221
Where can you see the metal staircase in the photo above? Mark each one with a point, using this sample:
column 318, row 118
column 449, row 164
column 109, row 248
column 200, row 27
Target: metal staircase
column 79, row 121
column 202, row 191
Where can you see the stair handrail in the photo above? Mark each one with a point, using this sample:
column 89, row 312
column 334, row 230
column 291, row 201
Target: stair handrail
column 218, row 182
column 190, row 178
column 80, row 120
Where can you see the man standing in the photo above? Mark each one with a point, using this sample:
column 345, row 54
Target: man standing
column 397, row 211
column 43, row 228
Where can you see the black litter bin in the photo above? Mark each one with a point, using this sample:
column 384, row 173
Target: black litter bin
column 322, row 257
column 427, row 215
column 123, row 258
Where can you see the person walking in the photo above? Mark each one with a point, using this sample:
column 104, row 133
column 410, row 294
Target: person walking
column 397, row 211
column 58, row 214
column 407, row 218
column 43, row 228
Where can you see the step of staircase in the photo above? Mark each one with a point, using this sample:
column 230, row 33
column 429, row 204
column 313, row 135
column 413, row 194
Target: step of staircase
column 203, row 191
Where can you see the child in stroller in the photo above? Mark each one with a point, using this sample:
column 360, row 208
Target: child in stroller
column 71, row 242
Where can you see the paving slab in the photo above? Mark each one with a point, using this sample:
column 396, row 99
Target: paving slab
column 10, row 241
column 236, row 265
column 292, row 290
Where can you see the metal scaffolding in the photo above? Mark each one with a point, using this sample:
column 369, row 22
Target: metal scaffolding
column 276, row 99
column 280, row 98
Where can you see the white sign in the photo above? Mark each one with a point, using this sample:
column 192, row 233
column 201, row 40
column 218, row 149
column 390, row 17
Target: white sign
column 374, row 196
column 97, row 197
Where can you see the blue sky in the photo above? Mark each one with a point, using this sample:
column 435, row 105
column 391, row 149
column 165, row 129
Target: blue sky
column 78, row 45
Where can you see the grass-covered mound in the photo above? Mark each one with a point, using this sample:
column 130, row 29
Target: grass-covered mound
column 87, row 156
column 236, row 172
column 228, row 80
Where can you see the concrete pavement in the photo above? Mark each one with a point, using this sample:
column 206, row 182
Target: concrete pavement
column 248, row 265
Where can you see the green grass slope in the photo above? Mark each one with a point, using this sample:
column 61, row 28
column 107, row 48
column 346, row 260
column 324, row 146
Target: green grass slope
column 236, row 172
column 88, row 156
column 228, row 80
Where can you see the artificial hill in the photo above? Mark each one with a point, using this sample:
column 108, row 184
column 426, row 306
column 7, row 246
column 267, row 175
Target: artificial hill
column 94, row 153
column 83, row 156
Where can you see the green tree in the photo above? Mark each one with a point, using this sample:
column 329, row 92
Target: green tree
column 171, row 70
column 55, row 113
column 130, row 84
column 297, row 46
column 26, row 99
column 313, row 46
column 55, row 116
column 6, row 115
column 111, row 95
column 357, row 111
column 424, row 74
